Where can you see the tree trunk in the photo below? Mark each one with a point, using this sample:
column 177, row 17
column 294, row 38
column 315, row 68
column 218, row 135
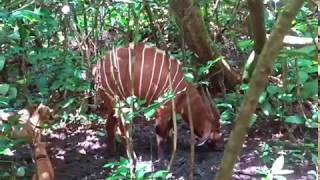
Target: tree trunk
column 258, row 33
column 190, row 20
column 257, row 85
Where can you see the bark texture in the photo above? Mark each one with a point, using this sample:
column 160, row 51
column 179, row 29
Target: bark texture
column 258, row 32
column 190, row 20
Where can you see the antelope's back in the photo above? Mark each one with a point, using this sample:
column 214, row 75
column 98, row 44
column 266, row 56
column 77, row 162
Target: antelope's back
column 147, row 69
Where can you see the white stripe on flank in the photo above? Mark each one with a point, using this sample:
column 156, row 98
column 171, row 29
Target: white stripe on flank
column 160, row 74
column 112, row 67
column 119, row 73
column 141, row 71
column 165, row 85
column 151, row 79
column 175, row 75
column 115, row 66
column 106, row 78
column 176, row 88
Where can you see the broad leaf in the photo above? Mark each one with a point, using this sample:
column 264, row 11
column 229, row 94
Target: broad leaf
column 2, row 62
column 21, row 171
column 309, row 89
column 295, row 119
column 4, row 88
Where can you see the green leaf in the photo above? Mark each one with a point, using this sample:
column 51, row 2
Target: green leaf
column 287, row 97
column 245, row 44
column 140, row 173
column 309, row 89
column 124, row 171
column 41, row 81
column 303, row 63
column 151, row 110
column 266, row 108
column 244, row 87
column 23, row 32
column 2, row 62
column 262, row 97
column 295, row 119
column 69, row 102
column 272, row 89
column 160, row 174
column 225, row 105
column 6, row 151
column 226, row 116
column 303, row 76
column 4, row 101
column 189, row 77
column 21, row 171
column 310, row 123
column 79, row 73
column 253, row 119
column 12, row 93
column 4, row 88
column 26, row 14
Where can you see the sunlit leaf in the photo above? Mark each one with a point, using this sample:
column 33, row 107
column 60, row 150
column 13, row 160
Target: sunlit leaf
column 262, row 97
column 244, row 86
column 160, row 174
column 303, row 76
column 287, row 97
column 245, row 44
column 12, row 93
column 21, row 171
column 226, row 116
column 253, row 119
column 7, row 152
column 2, row 62
column 296, row 119
column 310, row 123
column 4, row 88
column 140, row 173
column 68, row 103
column 150, row 111
column 266, row 108
column 273, row 89
column 309, row 89
column 189, row 77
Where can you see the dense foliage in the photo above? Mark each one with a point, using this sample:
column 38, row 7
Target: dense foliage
column 47, row 47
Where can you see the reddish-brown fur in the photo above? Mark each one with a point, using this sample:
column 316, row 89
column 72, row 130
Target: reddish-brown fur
column 151, row 72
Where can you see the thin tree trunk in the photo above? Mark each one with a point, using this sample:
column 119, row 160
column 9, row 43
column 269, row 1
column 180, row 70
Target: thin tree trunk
column 257, row 85
column 258, row 33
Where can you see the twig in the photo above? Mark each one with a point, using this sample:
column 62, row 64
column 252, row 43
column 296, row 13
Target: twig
column 192, row 140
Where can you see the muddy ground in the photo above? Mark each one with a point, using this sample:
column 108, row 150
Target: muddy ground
column 80, row 151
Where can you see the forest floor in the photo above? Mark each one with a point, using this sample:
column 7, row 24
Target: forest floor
column 79, row 152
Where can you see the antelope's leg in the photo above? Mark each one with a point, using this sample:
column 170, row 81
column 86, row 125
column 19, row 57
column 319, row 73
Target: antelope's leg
column 111, row 130
column 163, row 126
column 122, row 132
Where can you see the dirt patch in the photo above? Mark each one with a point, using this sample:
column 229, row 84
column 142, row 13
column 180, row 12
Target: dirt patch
column 79, row 151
